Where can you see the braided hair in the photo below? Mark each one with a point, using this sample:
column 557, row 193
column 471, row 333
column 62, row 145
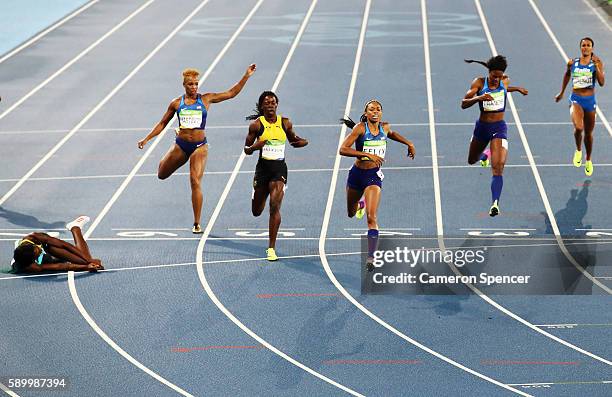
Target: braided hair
column 259, row 105
column 497, row 62
column 350, row 123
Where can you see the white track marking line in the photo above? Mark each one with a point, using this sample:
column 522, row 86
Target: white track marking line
column 480, row 293
column 534, row 169
column 398, row 168
column 215, row 215
column 71, row 281
column 563, row 383
column 116, row 347
column 241, row 127
column 565, row 57
column 74, row 60
column 328, row 209
column 171, row 265
column 89, row 115
column 8, row 391
column 598, row 13
column 48, row 30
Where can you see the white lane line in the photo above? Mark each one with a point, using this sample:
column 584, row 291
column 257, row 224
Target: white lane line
column 171, row 265
column 475, row 289
column 327, row 216
column 241, row 127
column 116, row 347
column 215, row 215
column 565, row 57
column 534, row 169
column 8, row 391
column 75, row 59
column 71, row 281
column 90, row 114
column 598, row 13
column 48, row 30
column 398, row 168
column 572, row 325
column 594, row 382
column 494, row 228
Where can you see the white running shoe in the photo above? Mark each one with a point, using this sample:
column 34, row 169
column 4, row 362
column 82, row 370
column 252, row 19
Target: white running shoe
column 78, row 222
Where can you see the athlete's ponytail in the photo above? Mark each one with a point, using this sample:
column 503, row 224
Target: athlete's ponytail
column 259, row 105
column 350, row 123
column 497, row 62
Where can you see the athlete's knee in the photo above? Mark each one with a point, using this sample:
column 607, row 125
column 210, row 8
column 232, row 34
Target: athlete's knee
column 195, row 181
column 275, row 206
column 472, row 160
column 497, row 169
column 162, row 175
column 372, row 217
column 257, row 211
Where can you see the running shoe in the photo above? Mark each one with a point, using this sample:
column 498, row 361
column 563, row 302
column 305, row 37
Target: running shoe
column 271, row 255
column 494, row 210
column 588, row 168
column 370, row 264
column 361, row 210
column 484, row 159
column 196, row 229
column 78, row 222
column 577, row 158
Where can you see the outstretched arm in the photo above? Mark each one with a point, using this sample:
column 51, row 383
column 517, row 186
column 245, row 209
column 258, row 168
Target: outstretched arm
column 294, row 140
column 514, row 89
column 566, row 79
column 397, row 137
column 232, row 92
column 62, row 267
column 471, row 98
column 599, row 68
column 159, row 127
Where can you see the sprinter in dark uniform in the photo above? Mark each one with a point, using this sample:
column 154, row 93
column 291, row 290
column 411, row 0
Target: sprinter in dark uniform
column 268, row 133
column 191, row 110
column 583, row 71
column 39, row 252
column 491, row 94
column 365, row 177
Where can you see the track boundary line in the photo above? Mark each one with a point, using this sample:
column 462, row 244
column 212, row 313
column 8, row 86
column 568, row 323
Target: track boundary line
column 75, row 59
column 48, row 30
column 566, row 57
column 475, row 289
column 327, row 216
column 217, row 211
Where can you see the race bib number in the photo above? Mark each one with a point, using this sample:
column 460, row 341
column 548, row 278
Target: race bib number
column 190, row 118
column 378, row 148
column 380, row 174
column 496, row 104
column 273, row 150
column 583, row 80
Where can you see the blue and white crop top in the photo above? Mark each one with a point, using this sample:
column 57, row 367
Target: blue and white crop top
column 192, row 116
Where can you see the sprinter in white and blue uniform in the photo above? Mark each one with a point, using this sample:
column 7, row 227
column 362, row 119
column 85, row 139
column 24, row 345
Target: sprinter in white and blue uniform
column 191, row 110
column 364, row 183
column 491, row 94
column 583, row 71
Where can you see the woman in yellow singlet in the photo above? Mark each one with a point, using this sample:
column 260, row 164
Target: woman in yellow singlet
column 268, row 133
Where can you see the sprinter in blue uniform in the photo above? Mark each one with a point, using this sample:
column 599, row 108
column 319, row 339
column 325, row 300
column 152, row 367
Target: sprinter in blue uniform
column 491, row 94
column 364, row 183
column 583, row 71
column 191, row 109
